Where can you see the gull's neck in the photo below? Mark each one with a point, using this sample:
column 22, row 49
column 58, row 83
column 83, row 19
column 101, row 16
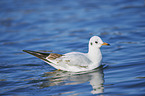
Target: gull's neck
column 95, row 54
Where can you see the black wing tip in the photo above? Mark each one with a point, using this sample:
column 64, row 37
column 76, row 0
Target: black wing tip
column 28, row 51
column 38, row 54
column 25, row 50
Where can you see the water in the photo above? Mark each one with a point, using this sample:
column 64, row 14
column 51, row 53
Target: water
column 63, row 26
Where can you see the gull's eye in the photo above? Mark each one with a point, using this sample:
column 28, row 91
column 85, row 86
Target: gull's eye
column 96, row 42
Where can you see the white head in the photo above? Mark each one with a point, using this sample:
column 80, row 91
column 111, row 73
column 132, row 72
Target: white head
column 96, row 42
column 94, row 52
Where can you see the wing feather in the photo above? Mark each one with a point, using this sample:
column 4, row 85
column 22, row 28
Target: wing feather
column 74, row 59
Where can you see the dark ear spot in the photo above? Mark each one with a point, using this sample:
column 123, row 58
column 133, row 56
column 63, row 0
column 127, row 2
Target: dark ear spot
column 91, row 43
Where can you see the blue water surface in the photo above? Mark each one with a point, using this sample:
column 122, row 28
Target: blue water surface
column 63, row 26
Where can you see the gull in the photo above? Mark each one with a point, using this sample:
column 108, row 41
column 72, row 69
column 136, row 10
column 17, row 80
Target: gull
column 75, row 61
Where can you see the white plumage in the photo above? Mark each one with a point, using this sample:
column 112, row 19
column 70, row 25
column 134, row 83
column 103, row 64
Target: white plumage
column 75, row 61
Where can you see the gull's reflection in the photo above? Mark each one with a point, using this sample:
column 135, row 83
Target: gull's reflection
column 97, row 81
column 94, row 77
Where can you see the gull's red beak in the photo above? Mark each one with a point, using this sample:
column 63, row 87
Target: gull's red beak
column 105, row 43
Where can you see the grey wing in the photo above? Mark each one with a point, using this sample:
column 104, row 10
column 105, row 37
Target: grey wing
column 75, row 60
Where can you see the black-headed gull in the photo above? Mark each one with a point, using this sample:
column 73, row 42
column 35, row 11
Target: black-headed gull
column 74, row 61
